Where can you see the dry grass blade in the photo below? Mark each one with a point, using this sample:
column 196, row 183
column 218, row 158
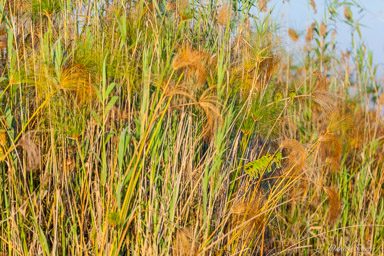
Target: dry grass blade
column 32, row 152
column 333, row 203
column 185, row 244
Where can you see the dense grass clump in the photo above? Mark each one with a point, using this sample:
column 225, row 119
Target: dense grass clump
column 156, row 127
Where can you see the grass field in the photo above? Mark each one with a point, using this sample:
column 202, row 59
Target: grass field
column 154, row 127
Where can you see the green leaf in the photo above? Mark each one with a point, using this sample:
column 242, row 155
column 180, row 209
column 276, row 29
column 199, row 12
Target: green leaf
column 123, row 143
column 110, row 88
column 96, row 116
column 110, row 104
column 98, row 94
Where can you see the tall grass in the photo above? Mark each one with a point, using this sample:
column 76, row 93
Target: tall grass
column 185, row 128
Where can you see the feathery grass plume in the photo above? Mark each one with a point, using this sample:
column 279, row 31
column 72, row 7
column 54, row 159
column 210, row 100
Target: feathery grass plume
column 323, row 29
column 293, row 34
column 322, row 83
column 333, row 203
column 185, row 244
column 74, row 81
column 211, row 108
column 32, row 152
column 296, row 156
column 328, row 101
column 339, row 122
column 299, row 191
column 268, row 66
column 309, row 33
column 78, row 79
column 192, row 59
column 347, row 13
column 313, row 4
column 249, row 210
column 331, row 150
column 263, row 5
column 224, row 15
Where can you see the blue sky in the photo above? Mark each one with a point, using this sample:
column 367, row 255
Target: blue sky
column 299, row 13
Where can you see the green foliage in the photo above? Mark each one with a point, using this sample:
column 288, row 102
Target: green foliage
column 257, row 167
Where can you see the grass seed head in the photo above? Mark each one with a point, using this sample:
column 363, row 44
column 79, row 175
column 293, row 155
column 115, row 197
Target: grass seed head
column 309, row 33
column 293, row 34
column 334, row 204
column 297, row 155
column 263, row 5
column 313, row 4
column 32, row 152
column 347, row 13
column 323, row 29
column 331, row 150
column 224, row 15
